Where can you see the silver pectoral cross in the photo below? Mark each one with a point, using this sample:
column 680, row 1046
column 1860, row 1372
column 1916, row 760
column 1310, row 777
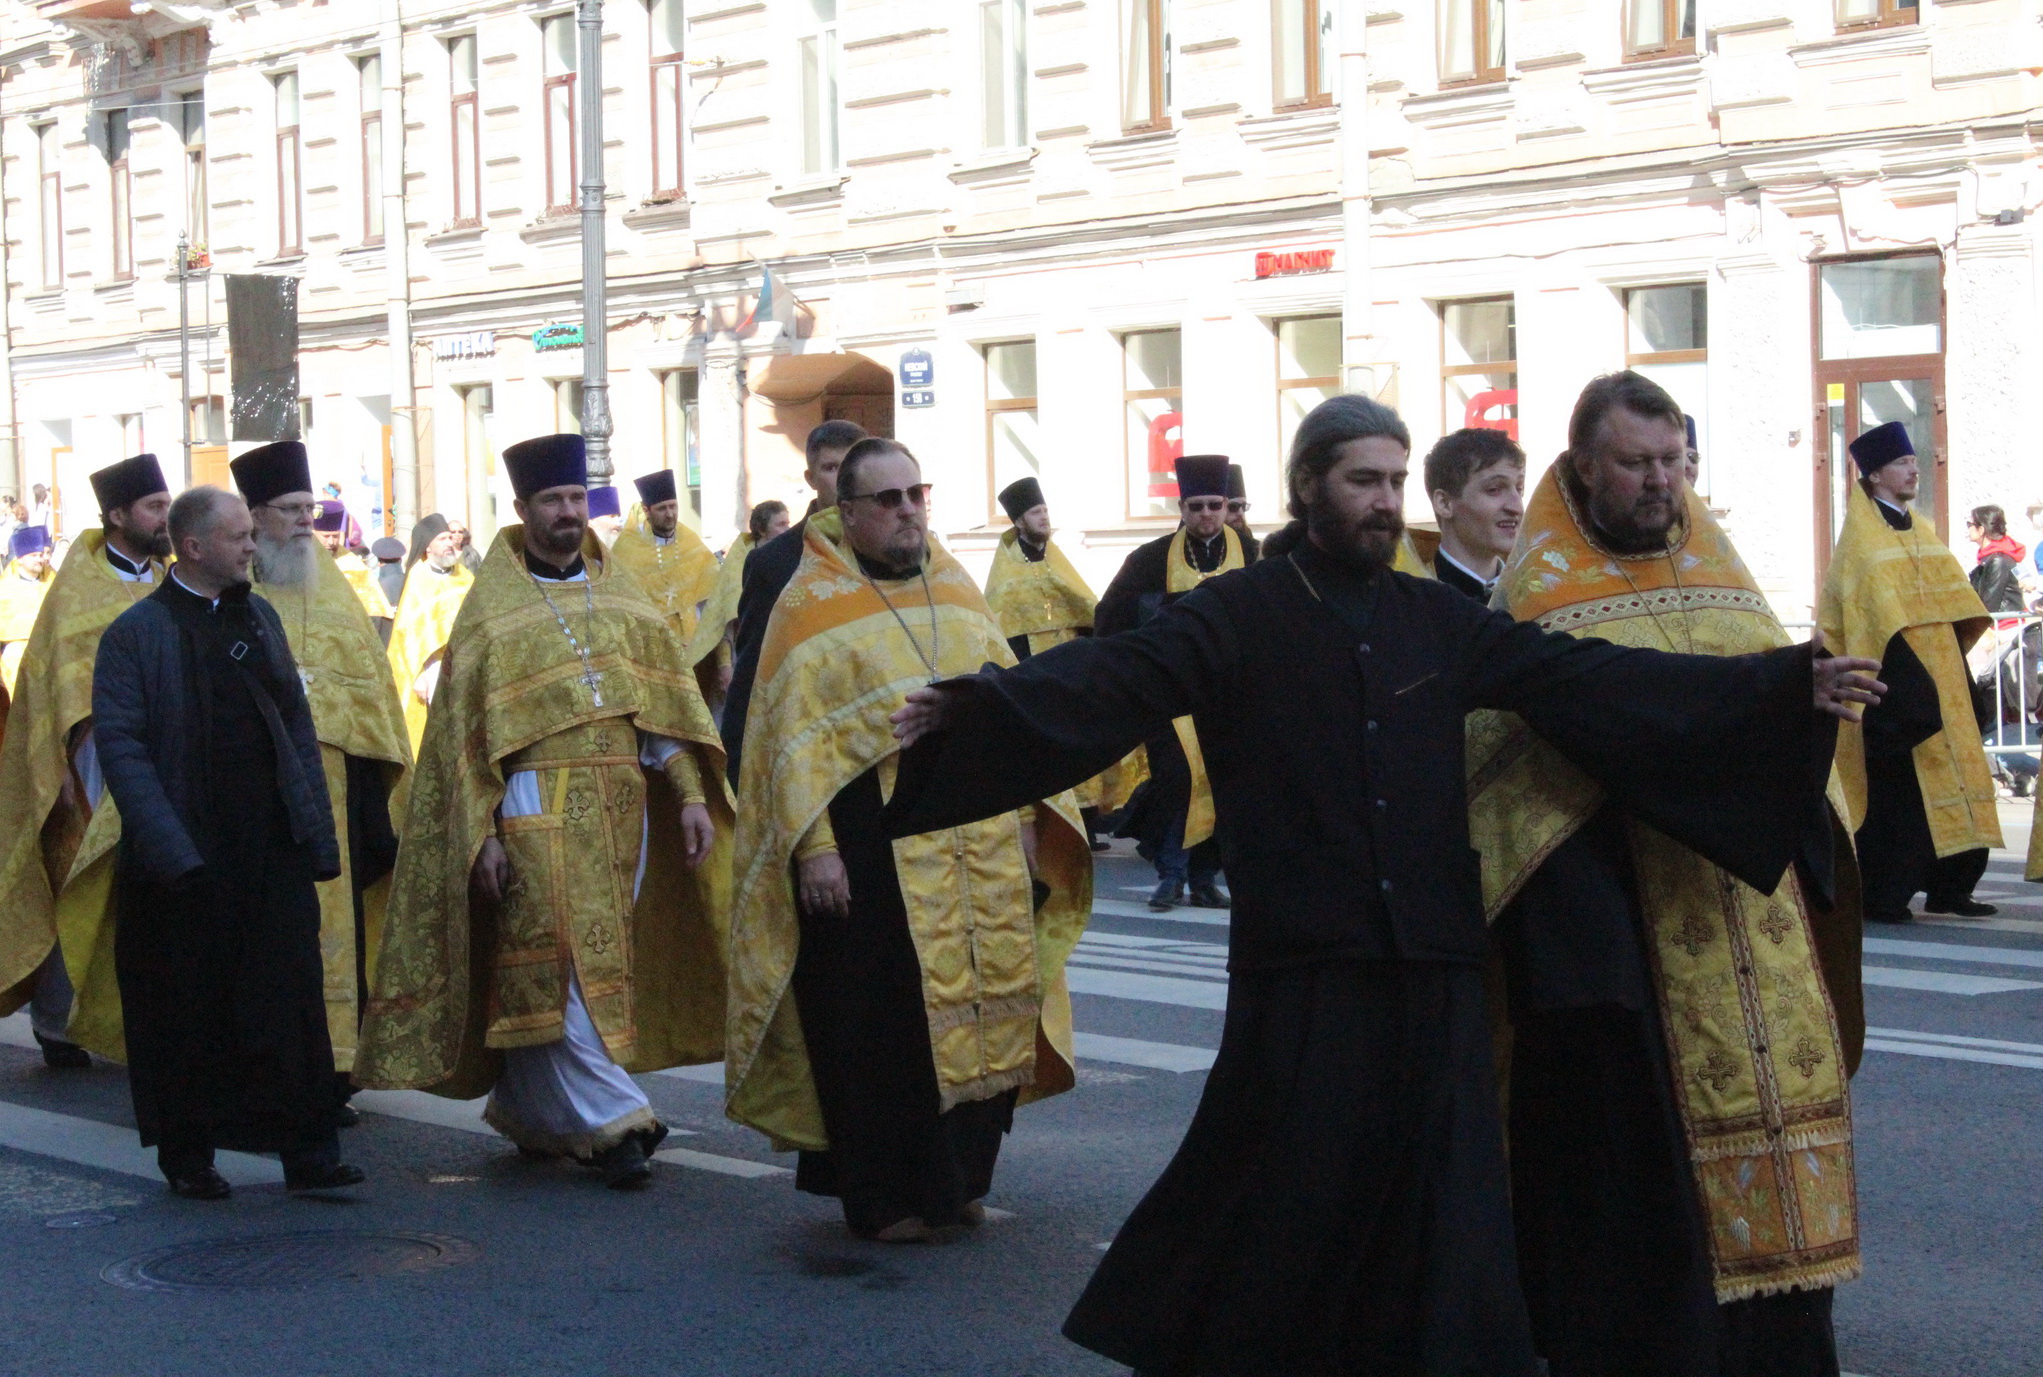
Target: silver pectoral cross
column 594, row 681
column 305, row 675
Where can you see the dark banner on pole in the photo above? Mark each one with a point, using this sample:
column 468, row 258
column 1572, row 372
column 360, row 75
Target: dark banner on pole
column 262, row 337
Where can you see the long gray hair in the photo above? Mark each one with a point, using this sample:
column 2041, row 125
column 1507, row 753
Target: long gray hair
column 1333, row 423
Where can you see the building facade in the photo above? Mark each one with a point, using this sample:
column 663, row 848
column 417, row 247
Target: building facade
column 1064, row 237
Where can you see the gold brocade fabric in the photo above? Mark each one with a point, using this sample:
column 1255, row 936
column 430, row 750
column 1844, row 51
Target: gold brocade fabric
column 426, row 610
column 1182, row 577
column 511, row 687
column 1743, row 978
column 41, row 836
column 362, row 580
column 678, row 576
column 1028, row 597
column 1883, row 581
column 835, row 664
column 20, row 600
column 722, row 608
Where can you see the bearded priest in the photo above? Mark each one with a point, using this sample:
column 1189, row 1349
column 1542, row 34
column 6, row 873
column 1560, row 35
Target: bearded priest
column 556, row 920
column 355, row 715
column 890, row 1000
column 56, row 868
column 669, row 561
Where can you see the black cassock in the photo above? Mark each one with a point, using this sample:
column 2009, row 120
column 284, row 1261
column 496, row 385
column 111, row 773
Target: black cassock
column 1340, row 1201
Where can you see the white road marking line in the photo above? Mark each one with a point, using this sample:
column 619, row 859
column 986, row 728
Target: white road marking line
column 2030, row 926
column 727, row 1166
column 16, row 1031
column 109, row 1147
column 1117, row 908
column 1953, row 1040
column 1943, row 1053
column 1122, row 939
column 420, row 1108
column 1953, row 951
column 1944, row 982
column 1148, row 989
column 712, row 1074
column 1098, row 960
column 1157, row 1056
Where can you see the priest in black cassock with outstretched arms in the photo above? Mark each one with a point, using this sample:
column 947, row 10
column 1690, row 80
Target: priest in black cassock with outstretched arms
column 1340, row 1202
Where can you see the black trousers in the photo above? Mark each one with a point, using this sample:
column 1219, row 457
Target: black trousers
column 1896, row 856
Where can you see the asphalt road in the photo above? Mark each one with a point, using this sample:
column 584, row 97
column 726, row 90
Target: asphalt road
column 722, row 1267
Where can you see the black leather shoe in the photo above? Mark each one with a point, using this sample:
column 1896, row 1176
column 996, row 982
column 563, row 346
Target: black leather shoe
column 327, row 1176
column 1901, row 916
column 1166, row 898
column 347, row 1116
column 202, row 1184
column 1210, row 895
column 1963, row 907
column 624, row 1167
column 63, row 1056
column 649, row 1139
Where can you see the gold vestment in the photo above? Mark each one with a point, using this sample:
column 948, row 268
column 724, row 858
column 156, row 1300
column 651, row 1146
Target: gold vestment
column 1758, row 993
column 20, row 600
column 677, row 576
column 455, row 984
column 1183, row 577
column 1046, row 601
column 1883, row 582
column 362, row 580
column 834, row 665
column 426, row 610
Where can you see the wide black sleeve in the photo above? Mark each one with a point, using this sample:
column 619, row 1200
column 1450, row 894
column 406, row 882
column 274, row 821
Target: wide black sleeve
column 1910, row 714
column 764, row 577
column 1725, row 754
column 1120, row 608
column 1061, row 717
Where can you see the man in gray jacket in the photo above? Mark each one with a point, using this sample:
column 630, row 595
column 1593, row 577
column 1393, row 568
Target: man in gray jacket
column 207, row 746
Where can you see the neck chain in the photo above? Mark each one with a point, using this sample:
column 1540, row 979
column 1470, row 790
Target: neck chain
column 929, row 661
column 1681, row 601
column 591, row 680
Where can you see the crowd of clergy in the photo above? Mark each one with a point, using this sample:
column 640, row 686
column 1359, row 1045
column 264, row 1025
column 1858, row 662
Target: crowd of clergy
column 1547, row 851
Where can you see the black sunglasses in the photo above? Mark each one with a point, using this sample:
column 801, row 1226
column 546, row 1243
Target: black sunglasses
column 892, row 498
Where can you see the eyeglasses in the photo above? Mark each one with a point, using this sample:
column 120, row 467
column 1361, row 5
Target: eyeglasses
column 1196, row 505
column 1236, row 506
column 294, row 510
column 892, row 498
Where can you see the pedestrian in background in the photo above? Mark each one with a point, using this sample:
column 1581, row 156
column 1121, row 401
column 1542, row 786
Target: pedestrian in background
column 1476, row 479
column 1997, row 577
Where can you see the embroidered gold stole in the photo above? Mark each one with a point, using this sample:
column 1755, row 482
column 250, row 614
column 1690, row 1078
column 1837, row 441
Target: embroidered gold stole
column 1183, row 577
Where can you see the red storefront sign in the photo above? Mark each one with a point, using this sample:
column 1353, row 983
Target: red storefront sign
column 1295, row 262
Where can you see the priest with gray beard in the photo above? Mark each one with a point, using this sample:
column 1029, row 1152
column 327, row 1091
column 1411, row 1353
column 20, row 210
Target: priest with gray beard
column 355, row 715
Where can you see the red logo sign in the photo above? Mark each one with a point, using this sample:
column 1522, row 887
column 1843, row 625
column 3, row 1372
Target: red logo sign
column 1295, row 262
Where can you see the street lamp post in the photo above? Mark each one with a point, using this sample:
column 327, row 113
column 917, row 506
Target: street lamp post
column 595, row 330
column 184, row 343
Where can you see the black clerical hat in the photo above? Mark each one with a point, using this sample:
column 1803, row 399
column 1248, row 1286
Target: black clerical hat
column 603, row 501
column 1202, row 475
column 1688, row 424
column 131, row 480
column 551, row 461
column 1021, row 497
column 265, row 474
column 1237, row 484
column 656, row 487
column 1881, row 446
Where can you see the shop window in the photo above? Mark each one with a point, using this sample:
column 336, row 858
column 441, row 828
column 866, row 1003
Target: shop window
column 1659, row 28
column 670, row 96
column 680, row 414
column 567, row 407
column 465, row 119
column 1152, row 398
column 1667, row 339
column 558, row 43
column 1471, row 41
column 1302, row 48
column 1308, row 370
column 1479, row 366
column 1013, row 442
column 817, row 50
column 1003, row 73
column 1145, row 64
column 1877, row 14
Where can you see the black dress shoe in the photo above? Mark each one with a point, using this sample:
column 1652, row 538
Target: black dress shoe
column 649, row 1139
column 1210, row 895
column 63, row 1056
column 1964, row 906
column 624, row 1167
column 1901, row 916
column 202, row 1184
column 347, row 1116
column 1166, row 898
column 327, row 1176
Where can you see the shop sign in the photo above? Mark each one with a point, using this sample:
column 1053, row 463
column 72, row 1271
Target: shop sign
column 1294, row 263
column 550, row 337
column 918, row 369
column 482, row 344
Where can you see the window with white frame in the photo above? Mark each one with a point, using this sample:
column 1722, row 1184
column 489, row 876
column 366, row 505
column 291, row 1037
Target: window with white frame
column 558, row 40
column 1145, row 65
column 1308, row 370
column 122, row 219
column 1479, row 365
column 1667, row 339
column 1152, row 400
column 1003, row 73
column 290, row 183
column 670, row 96
column 1301, row 47
column 1471, row 41
column 369, row 81
column 567, row 407
column 1013, row 441
column 817, row 63
column 50, row 203
column 1659, row 28
column 191, row 122
column 465, row 121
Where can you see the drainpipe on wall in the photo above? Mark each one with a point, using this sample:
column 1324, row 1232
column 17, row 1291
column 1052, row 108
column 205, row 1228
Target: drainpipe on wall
column 595, row 259
column 404, row 433
column 10, row 430
column 1358, row 331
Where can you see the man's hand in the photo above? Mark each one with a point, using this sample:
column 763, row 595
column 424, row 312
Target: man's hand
column 491, row 875
column 928, row 710
column 723, row 677
column 825, row 888
column 698, row 834
column 1842, row 681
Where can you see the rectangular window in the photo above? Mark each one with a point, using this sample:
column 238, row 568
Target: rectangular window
column 1667, row 339
column 1013, row 444
column 1302, row 46
column 1152, row 399
column 1479, row 365
column 567, row 407
column 478, row 455
column 818, row 67
column 1659, row 28
column 1471, row 41
column 1003, row 73
column 466, row 123
column 122, row 225
column 1145, row 63
column 1877, row 14
column 50, row 229
column 680, row 411
column 369, row 77
column 191, row 116
column 558, row 38
column 290, row 185
column 1308, row 370
column 670, row 95
column 132, row 440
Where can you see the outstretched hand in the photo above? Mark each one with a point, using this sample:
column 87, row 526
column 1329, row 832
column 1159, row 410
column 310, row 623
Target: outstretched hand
column 928, row 710
column 1842, row 681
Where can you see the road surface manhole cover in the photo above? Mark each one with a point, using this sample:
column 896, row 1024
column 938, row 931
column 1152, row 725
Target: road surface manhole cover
column 280, row 1261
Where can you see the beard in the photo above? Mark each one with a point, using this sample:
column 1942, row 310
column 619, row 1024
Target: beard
column 286, row 563
column 1369, row 544
column 561, row 541
column 155, row 546
column 1638, row 526
column 442, row 563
